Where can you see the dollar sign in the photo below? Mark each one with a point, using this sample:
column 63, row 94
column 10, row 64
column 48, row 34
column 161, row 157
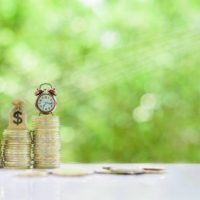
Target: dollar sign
column 18, row 119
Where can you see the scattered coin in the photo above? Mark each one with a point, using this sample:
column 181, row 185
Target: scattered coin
column 103, row 171
column 32, row 174
column 130, row 171
column 70, row 172
column 154, row 170
column 124, row 171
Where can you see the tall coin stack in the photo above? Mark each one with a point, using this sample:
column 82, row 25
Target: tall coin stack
column 17, row 143
column 46, row 140
column 17, row 149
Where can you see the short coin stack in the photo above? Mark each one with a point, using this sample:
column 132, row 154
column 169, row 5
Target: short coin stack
column 16, row 149
column 46, row 141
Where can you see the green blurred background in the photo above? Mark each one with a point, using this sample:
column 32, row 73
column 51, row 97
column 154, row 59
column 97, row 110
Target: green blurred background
column 127, row 74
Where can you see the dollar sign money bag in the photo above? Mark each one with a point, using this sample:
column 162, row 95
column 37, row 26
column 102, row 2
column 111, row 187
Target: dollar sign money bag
column 18, row 116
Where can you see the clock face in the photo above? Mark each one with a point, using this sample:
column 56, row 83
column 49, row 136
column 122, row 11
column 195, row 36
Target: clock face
column 46, row 103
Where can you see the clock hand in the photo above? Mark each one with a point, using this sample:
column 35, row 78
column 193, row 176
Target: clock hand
column 45, row 104
column 49, row 103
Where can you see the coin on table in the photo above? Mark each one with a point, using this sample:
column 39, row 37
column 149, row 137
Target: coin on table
column 33, row 174
column 154, row 170
column 124, row 171
column 70, row 172
column 103, row 171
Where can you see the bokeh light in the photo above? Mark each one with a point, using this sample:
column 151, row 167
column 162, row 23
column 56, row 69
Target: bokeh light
column 127, row 75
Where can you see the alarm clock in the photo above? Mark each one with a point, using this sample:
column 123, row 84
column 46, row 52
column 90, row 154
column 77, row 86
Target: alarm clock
column 46, row 100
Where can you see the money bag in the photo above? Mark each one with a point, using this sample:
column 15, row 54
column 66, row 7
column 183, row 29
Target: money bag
column 18, row 116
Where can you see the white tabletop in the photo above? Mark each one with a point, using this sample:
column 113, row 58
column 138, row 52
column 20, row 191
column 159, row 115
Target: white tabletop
column 181, row 182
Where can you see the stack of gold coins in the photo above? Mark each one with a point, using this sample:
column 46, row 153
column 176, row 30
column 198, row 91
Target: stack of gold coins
column 17, row 145
column 46, row 140
column 1, row 155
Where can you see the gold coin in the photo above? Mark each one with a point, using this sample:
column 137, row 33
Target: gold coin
column 43, row 145
column 45, row 123
column 70, row 172
column 33, row 174
column 46, row 164
column 46, row 135
column 17, row 159
column 26, row 154
column 16, row 131
column 154, row 170
column 9, row 163
column 46, row 126
column 50, row 133
column 46, row 161
column 103, row 171
column 47, row 154
column 11, row 147
column 45, row 117
column 124, row 171
column 19, row 141
column 16, row 134
column 25, row 151
column 17, row 167
column 16, row 153
column 18, row 162
column 14, row 138
column 17, row 145
column 48, row 146
column 46, row 167
column 50, row 137
column 47, row 140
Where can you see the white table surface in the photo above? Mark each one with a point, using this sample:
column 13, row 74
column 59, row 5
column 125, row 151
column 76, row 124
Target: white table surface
column 181, row 182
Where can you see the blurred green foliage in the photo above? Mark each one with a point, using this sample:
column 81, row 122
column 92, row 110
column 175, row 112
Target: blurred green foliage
column 127, row 74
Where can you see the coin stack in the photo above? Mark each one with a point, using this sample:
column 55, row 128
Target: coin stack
column 1, row 155
column 16, row 147
column 46, row 139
